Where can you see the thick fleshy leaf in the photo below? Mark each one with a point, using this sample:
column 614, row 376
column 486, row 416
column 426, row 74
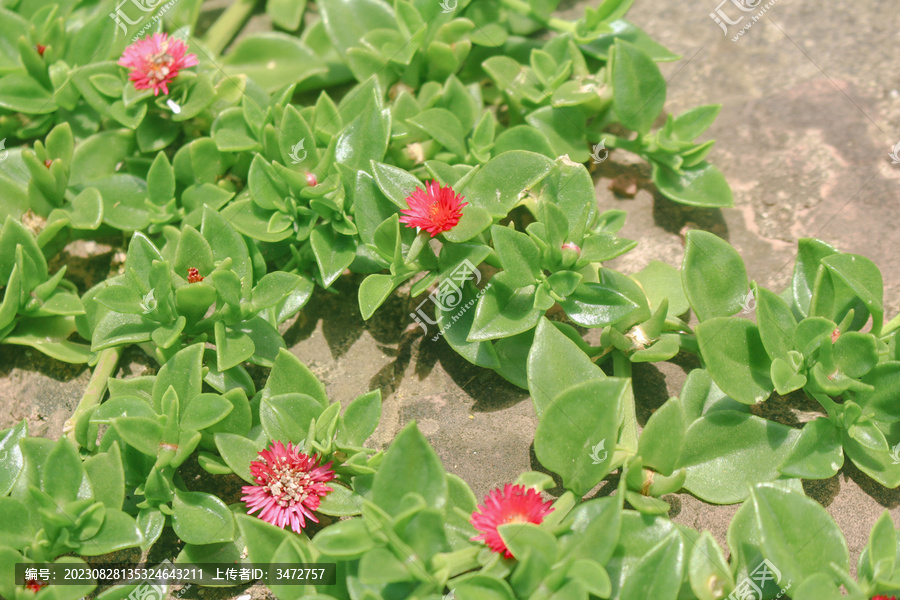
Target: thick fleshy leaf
column 662, row 438
column 598, row 305
column 15, row 531
column 592, row 529
column 287, row 417
column 238, row 452
column 182, row 372
column 736, row 358
column 290, row 375
column 347, row 21
column 817, row 453
column 700, row 185
column 444, row 127
column 360, row 419
column 107, row 476
column 518, row 254
column 796, row 533
column 345, row 539
column 201, row 518
column 555, row 363
column 578, row 432
column 776, row 322
column 63, row 472
column 714, row 276
column 272, row 59
column 880, row 403
column 13, row 459
column 725, row 451
column 639, row 87
column 341, row 502
column 410, row 465
column 810, row 253
column 659, row 572
column 708, row 570
column 498, row 186
column 661, row 281
column 862, row 276
column 364, row 139
column 504, row 310
column 119, row 531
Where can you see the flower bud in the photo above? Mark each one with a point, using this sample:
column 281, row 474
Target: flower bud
column 570, row 254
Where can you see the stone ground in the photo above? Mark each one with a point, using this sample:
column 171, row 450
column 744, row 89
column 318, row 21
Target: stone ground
column 810, row 112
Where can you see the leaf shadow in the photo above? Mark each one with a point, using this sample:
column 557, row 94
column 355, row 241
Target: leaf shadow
column 26, row 359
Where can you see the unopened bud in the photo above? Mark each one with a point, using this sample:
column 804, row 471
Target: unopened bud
column 311, row 180
column 570, row 254
column 415, row 152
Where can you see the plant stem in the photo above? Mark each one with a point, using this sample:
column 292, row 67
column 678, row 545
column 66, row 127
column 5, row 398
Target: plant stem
column 621, row 365
column 93, row 394
column 890, row 326
column 415, row 249
column 524, row 8
column 830, row 406
column 614, row 141
column 228, row 24
column 689, row 343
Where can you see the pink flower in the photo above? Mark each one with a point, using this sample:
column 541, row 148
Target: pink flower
column 514, row 504
column 288, row 486
column 435, row 210
column 155, row 61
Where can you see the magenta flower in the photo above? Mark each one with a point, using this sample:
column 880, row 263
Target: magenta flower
column 513, row 504
column 435, row 209
column 289, row 485
column 155, row 61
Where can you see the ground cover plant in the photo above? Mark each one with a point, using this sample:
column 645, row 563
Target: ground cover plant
column 439, row 150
